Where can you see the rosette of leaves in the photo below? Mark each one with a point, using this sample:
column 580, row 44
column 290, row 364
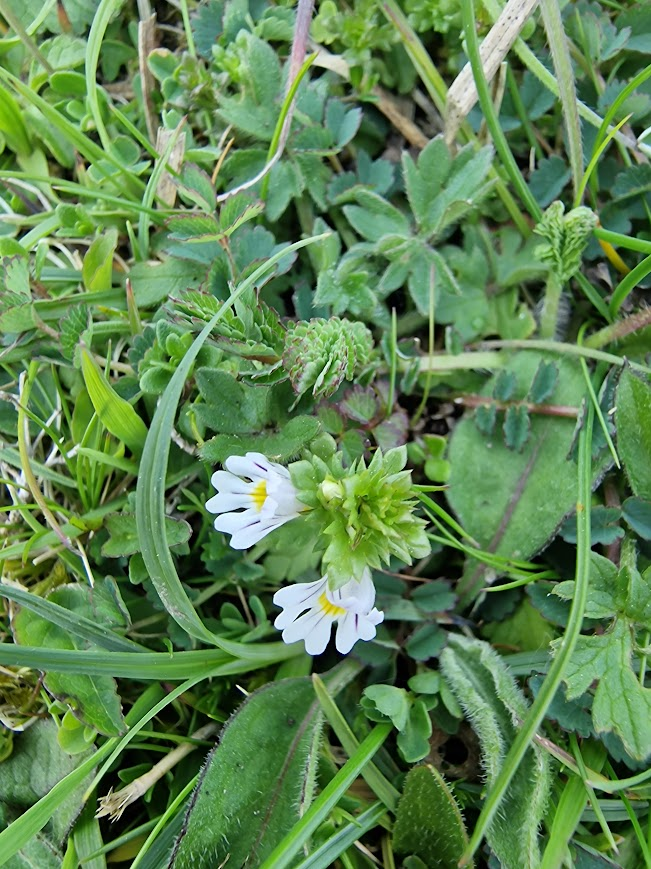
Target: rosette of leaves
column 252, row 331
column 159, row 351
column 320, row 354
column 366, row 514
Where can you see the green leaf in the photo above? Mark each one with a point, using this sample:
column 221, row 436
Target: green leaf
column 97, row 268
column 373, row 217
column 231, row 407
column 485, row 417
column 637, row 513
column 428, row 821
column 72, row 327
column 262, row 771
column 544, row 382
column 36, row 765
column 414, row 739
column 16, row 307
column 633, row 421
column 516, row 427
column 505, row 383
column 115, row 413
column 492, row 701
column 441, row 189
column 93, row 698
column 390, row 702
column 278, row 446
column 123, row 537
column 526, row 630
column 154, row 283
column 621, row 704
column 512, row 503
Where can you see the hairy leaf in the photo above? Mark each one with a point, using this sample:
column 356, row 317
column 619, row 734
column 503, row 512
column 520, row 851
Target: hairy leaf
column 495, row 706
column 256, row 783
column 428, row 821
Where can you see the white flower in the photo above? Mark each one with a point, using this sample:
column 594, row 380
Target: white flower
column 266, row 499
column 351, row 606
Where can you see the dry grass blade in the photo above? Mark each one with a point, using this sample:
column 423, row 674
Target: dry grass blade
column 462, row 95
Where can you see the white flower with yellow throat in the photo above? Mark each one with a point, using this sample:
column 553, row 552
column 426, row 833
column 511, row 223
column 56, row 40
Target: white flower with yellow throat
column 254, row 497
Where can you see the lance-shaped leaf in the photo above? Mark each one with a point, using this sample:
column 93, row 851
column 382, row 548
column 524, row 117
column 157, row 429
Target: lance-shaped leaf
column 256, row 783
column 115, row 413
column 495, row 706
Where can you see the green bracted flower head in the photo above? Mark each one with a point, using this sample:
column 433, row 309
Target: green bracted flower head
column 320, row 354
column 567, row 237
column 366, row 514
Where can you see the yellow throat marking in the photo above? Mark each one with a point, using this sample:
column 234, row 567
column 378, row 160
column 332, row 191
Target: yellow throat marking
column 259, row 495
column 329, row 608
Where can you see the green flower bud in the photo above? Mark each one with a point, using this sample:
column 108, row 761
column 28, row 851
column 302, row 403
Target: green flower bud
column 365, row 514
column 320, row 354
column 567, row 236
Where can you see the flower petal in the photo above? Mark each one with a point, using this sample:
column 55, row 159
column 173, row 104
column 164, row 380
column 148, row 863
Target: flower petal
column 223, row 481
column 252, row 465
column 223, row 502
column 302, row 594
column 314, row 627
column 346, row 635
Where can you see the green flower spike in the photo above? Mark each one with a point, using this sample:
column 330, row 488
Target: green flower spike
column 366, row 513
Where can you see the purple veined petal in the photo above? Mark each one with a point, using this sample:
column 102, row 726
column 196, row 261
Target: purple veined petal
column 319, row 637
column 253, row 465
column 346, row 635
column 303, row 626
column 256, row 530
column 303, row 594
column 224, row 502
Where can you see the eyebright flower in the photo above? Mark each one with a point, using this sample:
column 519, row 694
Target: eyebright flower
column 351, row 606
column 367, row 514
column 261, row 490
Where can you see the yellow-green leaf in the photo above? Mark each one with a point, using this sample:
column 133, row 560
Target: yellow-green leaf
column 115, row 413
column 98, row 262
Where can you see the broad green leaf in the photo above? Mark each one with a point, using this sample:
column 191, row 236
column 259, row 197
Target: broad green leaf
column 123, row 536
column 526, row 630
column 257, row 782
column 493, row 702
column 97, row 268
column 93, row 698
column 228, row 406
column 621, row 704
column 633, row 420
column 279, row 446
column 37, row 764
column 115, row 413
column 153, row 283
column 428, row 821
column 16, row 308
column 390, row 702
column 511, row 502
column 637, row 513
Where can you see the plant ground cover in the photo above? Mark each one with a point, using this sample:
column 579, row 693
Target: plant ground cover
column 325, row 434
